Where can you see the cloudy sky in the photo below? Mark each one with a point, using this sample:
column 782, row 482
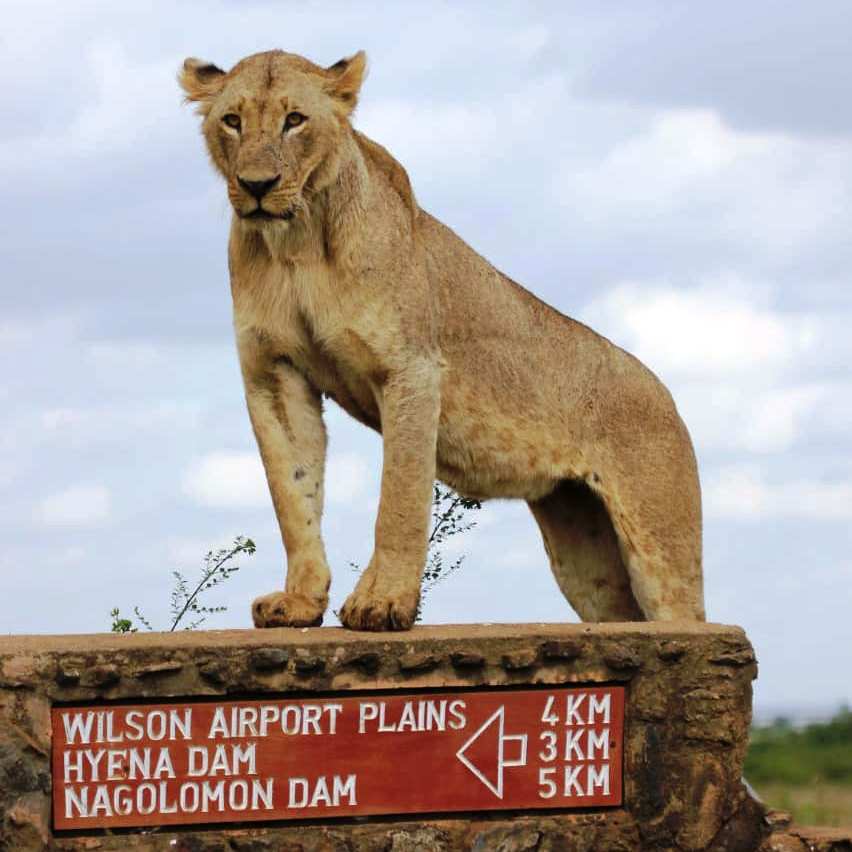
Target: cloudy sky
column 677, row 175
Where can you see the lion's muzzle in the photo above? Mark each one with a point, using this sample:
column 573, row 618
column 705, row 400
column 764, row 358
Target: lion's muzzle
column 258, row 188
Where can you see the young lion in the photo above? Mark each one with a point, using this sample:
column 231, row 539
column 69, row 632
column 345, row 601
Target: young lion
column 342, row 286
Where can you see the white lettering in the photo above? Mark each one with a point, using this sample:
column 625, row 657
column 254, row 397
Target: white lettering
column 550, row 751
column 76, row 766
column 572, row 710
column 333, row 710
column 599, row 705
column 320, row 796
column 146, row 791
column 269, row 713
column 311, row 714
column 572, row 787
column 101, row 802
column 436, row 716
column 197, row 761
column 244, row 757
column 572, row 744
column 75, row 727
column 180, row 726
column 298, row 793
column 261, row 793
column 546, row 784
column 305, row 793
column 220, row 762
column 133, row 720
column 247, row 724
column 157, row 724
column 80, row 801
column 219, row 725
column 166, row 807
column 164, row 765
column 367, row 710
column 383, row 727
column 345, row 788
column 238, row 795
column 291, row 728
column 190, row 796
column 140, row 763
column 598, row 742
column 457, row 712
column 116, row 771
column 598, row 778
column 407, row 719
column 548, row 716
column 122, row 797
column 94, row 758
column 104, row 800
column 111, row 736
column 214, row 793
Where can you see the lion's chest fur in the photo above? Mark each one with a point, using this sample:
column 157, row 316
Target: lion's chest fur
column 305, row 314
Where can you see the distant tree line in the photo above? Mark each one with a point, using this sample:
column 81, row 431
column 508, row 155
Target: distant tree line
column 781, row 753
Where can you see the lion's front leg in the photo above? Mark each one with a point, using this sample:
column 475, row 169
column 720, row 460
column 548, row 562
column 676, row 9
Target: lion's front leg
column 388, row 592
column 286, row 414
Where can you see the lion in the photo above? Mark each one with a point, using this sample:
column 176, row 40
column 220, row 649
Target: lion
column 343, row 287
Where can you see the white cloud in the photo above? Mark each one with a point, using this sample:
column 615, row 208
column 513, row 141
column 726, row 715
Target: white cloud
column 78, row 506
column 528, row 42
column 770, row 192
column 462, row 137
column 115, row 422
column 675, row 151
column 728, row 358
column 8, row 470
column 13, row 335
column 128, row 355
column 227, row 479
column 741, row 413
column 17, row 333
column 68, row 557
column 707, row 331
column 126, row 101
column 130, row 101
column 190, row 550
column 456, row 130
column 743, row 492
column 775, row 418
column 346, row 477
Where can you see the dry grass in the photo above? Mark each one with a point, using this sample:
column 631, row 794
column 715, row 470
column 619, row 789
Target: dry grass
column 817, row 804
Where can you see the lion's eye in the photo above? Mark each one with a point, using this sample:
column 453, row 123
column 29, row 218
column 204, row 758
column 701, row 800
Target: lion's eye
column 294, row 119
column 232, row 120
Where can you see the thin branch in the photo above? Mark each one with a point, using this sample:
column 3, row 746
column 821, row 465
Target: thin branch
column 443, row 519
column 205, row 577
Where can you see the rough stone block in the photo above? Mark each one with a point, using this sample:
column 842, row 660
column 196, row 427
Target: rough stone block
column 688, row 704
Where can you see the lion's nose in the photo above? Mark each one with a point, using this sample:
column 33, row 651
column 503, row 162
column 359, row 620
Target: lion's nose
column 259, row 188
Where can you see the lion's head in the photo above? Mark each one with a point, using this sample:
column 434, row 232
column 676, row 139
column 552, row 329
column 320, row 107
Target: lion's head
column 273, row 126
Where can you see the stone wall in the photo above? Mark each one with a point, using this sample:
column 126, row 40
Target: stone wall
column 687, row 717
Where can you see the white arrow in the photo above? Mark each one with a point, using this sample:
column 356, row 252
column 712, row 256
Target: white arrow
column 498, row 716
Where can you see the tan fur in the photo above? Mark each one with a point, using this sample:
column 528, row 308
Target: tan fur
column 350, row 291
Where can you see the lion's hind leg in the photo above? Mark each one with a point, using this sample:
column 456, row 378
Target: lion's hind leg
column 658, row 523
column 584, row 553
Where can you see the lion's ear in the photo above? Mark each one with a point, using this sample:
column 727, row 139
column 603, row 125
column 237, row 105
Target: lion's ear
column 201, row 80
column 346, row 77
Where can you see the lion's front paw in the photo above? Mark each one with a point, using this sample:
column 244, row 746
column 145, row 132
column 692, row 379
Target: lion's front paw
column 371, row 610
column 287, row 609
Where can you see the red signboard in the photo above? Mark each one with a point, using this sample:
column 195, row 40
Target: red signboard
column 278, row 759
